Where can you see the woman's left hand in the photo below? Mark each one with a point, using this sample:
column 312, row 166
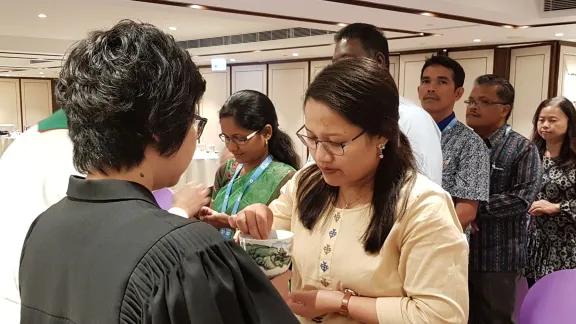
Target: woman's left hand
column 314, row 303
column 542, row 207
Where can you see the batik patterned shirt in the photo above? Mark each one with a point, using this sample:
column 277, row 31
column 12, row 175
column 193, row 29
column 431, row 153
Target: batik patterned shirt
column 466, row 163
column 515, row 177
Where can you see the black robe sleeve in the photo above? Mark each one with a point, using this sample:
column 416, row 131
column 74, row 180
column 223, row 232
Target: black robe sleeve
column 217, row 285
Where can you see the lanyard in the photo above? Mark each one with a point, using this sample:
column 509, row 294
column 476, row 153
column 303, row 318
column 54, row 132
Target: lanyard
column 227, row 232
column 450, row 125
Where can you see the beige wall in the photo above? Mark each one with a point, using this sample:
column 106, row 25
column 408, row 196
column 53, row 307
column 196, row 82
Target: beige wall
column 287, row 85
column 475, row 64
column 24, row 102
column 10, row 108
column 529, row 74
column 567, row 73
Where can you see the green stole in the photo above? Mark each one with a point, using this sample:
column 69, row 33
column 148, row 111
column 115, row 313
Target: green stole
column 57, row 120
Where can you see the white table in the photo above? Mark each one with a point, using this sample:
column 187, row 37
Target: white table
column 202, row 169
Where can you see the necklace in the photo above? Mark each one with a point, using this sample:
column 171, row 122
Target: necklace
column 346, row 205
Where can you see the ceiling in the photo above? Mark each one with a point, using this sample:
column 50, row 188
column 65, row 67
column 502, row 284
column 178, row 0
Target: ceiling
column 446, row 23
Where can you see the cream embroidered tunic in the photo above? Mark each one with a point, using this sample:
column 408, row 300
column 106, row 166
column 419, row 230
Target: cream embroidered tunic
column 420, row 275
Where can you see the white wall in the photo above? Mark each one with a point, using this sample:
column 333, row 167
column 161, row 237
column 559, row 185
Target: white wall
column 529, row 74
column 567, row 73
column 317, row 66
column 475, row 64
column 217, row 91
column 287, row 85
column 395, row 67
column 249, row 77
column 409, row 77
column 36, row 100
column 10, row 102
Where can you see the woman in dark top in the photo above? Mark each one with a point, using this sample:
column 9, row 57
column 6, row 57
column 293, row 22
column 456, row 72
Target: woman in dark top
column 552, row 230
column 107, row 253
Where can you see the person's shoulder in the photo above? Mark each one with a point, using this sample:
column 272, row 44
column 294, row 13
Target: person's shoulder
column 283, row 168
column 471, row 139
column 421, row 189
column 414, row 116
column 523, row 144
column 426, row 200
column 187, row 236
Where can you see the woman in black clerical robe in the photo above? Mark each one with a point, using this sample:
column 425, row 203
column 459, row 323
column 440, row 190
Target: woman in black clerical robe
column 107, row 253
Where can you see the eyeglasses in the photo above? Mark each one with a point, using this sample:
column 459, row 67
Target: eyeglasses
column 483, row 103
column 199, row 123
column 330, row 147
column 236, row 140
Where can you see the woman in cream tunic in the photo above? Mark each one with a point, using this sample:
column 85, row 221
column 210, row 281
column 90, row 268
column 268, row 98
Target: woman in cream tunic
column 375, row 242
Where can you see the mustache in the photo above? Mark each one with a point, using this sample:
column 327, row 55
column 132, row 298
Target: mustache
column 431, row 96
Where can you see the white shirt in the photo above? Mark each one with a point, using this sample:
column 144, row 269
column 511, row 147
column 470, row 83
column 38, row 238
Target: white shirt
column 34, row 170
column 424, row 137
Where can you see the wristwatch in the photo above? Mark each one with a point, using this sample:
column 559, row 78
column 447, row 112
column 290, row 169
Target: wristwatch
column 344, row 306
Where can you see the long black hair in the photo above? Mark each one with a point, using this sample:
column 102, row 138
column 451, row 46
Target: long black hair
column 365, row 94
column 567, row 157
column 253, row 110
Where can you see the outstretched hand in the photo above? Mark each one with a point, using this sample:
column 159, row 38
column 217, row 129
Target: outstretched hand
column 214, row 218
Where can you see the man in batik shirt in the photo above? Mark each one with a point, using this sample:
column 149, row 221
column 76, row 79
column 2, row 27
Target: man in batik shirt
column 498, row 248
column 466, row 167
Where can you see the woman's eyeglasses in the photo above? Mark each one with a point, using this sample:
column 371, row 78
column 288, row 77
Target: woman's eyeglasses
column 330, row 147
column 199, row 123
column 236, row 140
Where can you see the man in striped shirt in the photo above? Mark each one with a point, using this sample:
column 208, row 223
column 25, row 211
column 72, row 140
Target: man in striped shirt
column 497, row 247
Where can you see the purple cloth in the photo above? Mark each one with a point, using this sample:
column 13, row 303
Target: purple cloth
column 552, row 300
column 164, row 198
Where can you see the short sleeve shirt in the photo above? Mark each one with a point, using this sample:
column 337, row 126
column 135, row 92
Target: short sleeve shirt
column 466, row 164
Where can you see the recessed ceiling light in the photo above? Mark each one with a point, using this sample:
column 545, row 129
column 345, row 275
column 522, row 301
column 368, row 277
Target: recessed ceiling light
column 559, row 34
column 172, row 28
column 232, row 60
column 42, row 15
column 41, row 73
column 477, row 40
column 294, row 54
column 342, row 24
column 196, row 7
column 508, row 26
column 421, row 34
column 523, row 27
column 428, row 14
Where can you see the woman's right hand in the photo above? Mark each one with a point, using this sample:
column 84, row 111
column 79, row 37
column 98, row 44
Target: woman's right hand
column 254, row 220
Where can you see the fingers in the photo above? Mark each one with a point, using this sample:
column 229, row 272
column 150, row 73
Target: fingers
column 252, row 223
column 475, row 227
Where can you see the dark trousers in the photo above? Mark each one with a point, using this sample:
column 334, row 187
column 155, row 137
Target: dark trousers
column 492, row 297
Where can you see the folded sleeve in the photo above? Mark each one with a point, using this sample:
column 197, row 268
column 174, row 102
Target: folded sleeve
column 218, row 285
column 283, row 207
column 433, row 266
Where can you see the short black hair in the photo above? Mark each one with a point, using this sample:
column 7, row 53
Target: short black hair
column 505, row 89
column 458, row 74
column 372, row 39
column 124, row 89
